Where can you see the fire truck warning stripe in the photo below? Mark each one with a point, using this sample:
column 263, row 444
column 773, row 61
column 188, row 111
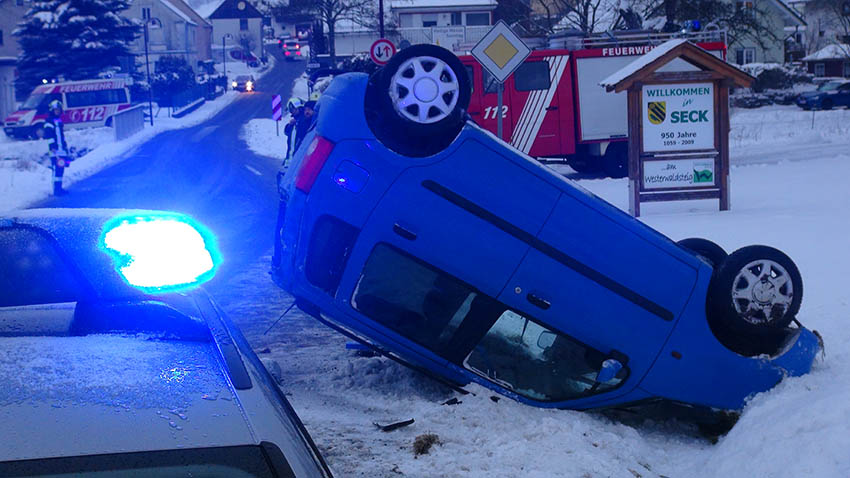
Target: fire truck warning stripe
column 522, row 123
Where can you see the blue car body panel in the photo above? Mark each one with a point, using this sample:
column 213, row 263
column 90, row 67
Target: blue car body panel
column 511, row 229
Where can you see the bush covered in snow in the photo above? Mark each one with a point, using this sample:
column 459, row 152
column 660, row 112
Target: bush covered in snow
column 173, row 75
column 773, row 76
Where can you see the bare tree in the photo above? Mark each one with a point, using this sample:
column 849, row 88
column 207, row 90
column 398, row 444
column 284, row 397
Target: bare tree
column 329, row 13
column 829, row 23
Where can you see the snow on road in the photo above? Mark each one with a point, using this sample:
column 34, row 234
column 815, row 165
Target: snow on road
column 798, row 204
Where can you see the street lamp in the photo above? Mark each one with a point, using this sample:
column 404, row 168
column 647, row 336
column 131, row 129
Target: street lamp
column 152, row 21
column 224, row 57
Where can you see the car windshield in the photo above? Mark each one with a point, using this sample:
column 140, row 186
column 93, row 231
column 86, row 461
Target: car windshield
column 243, row 78
column 224, row 462
column 832, row 85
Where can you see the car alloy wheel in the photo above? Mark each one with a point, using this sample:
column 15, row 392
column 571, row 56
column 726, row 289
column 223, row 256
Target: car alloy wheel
column 762, row 292
column 424, row 89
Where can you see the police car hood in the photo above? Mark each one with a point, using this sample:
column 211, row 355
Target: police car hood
column 66, row 396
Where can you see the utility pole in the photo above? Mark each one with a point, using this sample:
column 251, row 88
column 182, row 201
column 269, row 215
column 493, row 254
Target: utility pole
column 381, row 17
column 224, row 58
column 146, row 14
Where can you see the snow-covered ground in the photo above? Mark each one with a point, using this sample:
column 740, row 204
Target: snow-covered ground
column 797, row 202
column 265, row 138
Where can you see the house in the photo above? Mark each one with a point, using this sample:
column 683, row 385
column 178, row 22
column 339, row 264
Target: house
column 237, row 24
column 832, row 60
column 442, row 13
column 783, row 21
column 11, row 13
column 174, row 29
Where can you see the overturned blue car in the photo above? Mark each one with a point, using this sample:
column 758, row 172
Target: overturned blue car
column 406, row 226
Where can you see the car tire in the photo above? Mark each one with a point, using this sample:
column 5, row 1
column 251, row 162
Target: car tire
column 615, row 161
column 755, row 293
column 584, row 165
column 37, row 131
column 423, row 122
column 705, row 249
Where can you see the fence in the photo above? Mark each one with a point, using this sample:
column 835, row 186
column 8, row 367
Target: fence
column 188, row 99
column 128, row 122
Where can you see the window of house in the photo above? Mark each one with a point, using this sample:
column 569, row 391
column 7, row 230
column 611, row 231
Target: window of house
column 746, row 7
column 745, row 55
column 473, row 19
column 532, row 76
column 243, row 24
column 33, row 271
column 429, row 20
column 457, row 18
column 820, row 69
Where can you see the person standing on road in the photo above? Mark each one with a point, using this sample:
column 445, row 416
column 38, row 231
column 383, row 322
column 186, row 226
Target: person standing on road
column 295, row 106
column 54, row 132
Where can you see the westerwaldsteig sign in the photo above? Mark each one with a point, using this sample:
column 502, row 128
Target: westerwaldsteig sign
column 678, row 117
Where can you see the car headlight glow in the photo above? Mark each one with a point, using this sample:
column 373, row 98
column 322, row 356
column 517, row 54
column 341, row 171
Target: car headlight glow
column 249, row 86
column 162, row 252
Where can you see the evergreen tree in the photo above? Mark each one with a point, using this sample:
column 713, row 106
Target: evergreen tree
column 72, row 39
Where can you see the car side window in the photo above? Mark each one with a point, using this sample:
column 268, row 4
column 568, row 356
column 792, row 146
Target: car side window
column 412, row 298
column 532, row 75
column 537, row 362
column 33, row 270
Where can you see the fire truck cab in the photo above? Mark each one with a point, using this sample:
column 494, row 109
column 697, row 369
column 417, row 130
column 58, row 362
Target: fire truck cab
column 555, row 109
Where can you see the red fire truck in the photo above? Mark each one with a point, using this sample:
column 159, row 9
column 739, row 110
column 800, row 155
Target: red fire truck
column 85, row 103
column 553, row 107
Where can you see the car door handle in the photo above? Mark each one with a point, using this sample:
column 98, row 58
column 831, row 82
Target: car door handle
column 538, row 301
column 407, row 234
column 551, row 108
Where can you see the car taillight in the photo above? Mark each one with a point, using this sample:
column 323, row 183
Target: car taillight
column 298, row 53
column 286, row 53
column 317, row 153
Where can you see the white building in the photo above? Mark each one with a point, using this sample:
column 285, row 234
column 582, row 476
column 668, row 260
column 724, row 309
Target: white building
column 236, row 24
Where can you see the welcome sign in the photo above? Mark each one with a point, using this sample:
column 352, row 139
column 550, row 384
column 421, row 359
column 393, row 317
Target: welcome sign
column 678, row 117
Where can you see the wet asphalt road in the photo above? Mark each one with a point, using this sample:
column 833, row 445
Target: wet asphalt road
column 205, row 171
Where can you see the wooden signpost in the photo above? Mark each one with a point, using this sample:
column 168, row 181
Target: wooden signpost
column 678, row 110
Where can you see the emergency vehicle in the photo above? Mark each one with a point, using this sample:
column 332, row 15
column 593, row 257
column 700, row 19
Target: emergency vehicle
column 85, row 103
column 553, row 106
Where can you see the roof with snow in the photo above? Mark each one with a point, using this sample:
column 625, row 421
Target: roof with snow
column 647, row 64
column 207, row 9
column 183, row 16
column 838, row 51
column 190, row 12
column 445, row 5
column 235, row 9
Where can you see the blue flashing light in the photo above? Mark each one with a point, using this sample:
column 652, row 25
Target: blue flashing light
column 160, row 252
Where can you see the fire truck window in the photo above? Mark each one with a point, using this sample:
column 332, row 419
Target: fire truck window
column 471, row 72
column 490, row 83
column 532, row 76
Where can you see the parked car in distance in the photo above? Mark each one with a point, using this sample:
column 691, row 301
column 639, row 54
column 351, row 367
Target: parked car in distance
column 243, row 83
column 827, row 96
column 246, row 56
column 418, row 232
column 117, row 364
column 85, row 104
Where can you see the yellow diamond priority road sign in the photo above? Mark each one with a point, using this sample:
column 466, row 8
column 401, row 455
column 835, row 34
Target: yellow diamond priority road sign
column 501, row 51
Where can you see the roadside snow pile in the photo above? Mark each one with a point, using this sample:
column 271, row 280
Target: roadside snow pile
column 788, row 124
column 262, row 138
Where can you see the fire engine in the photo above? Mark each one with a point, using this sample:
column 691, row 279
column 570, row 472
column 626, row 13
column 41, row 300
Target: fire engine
column 84, row 103
column 553, row 107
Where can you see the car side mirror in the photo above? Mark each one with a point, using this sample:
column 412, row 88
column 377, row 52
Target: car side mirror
column 609, row 370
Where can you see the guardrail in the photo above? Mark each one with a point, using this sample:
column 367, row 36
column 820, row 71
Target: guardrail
column 128, row 122
column 188, row 99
